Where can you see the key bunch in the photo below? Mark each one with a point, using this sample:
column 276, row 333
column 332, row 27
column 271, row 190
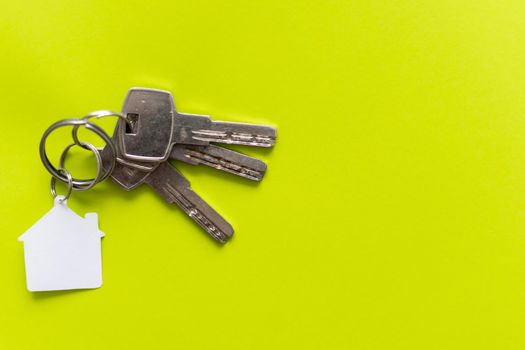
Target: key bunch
column 149, row 133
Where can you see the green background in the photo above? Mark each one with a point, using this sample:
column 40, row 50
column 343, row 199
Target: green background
column 392, row 215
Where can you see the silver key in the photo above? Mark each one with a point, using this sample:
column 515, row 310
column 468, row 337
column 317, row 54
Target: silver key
column 167, row 181
column 156, row 126
column 194, row 129
column 220, row 158
column 174, row 188
column 153, row 104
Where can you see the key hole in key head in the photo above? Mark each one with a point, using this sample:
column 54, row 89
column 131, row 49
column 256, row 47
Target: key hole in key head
column 131, row 126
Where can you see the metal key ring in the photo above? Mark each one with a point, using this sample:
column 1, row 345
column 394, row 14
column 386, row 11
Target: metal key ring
column 52, row 184
column 100, row 176
column 75, row 122
column 96, row 115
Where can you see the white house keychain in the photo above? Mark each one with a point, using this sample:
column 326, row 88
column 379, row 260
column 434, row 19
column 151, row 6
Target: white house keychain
column 62, row 250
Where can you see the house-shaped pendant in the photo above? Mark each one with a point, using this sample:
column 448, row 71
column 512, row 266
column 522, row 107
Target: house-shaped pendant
column 62, row 250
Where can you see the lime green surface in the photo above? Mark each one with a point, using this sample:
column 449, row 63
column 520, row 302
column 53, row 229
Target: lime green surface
column 392, row 215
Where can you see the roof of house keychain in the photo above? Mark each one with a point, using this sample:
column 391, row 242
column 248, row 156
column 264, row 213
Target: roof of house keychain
column 62, row 250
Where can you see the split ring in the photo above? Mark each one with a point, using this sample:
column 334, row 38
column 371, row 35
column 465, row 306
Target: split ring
column 100, row 176
column 77, row 183
column 96, row 115
column 69, row 184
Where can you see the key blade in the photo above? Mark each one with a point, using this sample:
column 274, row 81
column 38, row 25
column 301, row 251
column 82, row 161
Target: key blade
column 185, row 123
column 222, row 159
column 237, row 134
column 175, row 188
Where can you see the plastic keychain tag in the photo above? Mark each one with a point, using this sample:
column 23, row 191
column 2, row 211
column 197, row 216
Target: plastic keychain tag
column 62, row 250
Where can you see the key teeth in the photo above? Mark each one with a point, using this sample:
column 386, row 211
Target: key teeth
column 217, row 234
column 254, row 170
column 233, row 138
column 189, row 207
column 222, row 237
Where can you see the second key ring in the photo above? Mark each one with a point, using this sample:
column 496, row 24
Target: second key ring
column 78, row 183
column 100, row 176
column 69, row 185
column 97, row 115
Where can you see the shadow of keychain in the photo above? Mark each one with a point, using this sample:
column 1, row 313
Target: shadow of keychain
column 62, row 250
